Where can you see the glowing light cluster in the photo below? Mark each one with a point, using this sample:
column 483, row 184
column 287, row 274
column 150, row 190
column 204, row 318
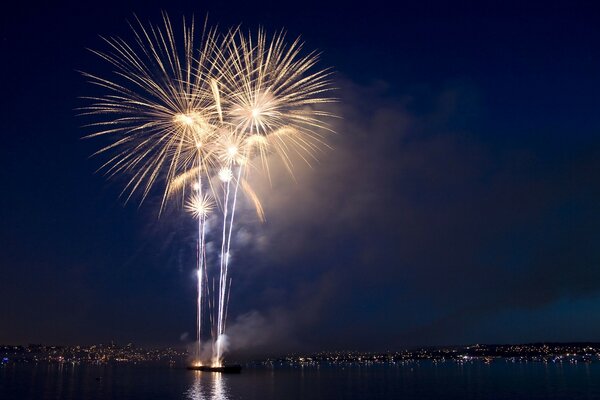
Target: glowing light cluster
column 199, row 206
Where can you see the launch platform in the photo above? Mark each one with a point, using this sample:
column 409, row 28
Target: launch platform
column 225, row 369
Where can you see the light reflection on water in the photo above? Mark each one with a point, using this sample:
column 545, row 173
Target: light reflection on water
column 208, row 386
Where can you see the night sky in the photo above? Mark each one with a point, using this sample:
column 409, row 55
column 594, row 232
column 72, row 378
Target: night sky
column 460, row 202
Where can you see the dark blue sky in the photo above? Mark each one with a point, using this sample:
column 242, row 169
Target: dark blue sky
column 460, row 203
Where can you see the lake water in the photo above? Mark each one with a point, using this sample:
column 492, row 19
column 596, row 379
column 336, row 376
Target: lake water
column 424, row 380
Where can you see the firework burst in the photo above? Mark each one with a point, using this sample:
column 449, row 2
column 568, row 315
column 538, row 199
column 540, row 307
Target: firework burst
column 199, row 116
column 158, row 110
column 199, row 205
column 271, row 91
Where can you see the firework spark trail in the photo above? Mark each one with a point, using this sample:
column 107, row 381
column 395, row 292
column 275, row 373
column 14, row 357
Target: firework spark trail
column 227, row 302
column 199, row 299
column 205, row 269
column 199, row 205
column 235, row 193
column 201, row 253
column 225, row 255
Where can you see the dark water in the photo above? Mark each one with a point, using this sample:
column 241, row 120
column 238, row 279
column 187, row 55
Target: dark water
column 498, row 380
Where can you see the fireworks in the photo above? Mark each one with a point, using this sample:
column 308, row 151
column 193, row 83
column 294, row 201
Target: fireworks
column 199, row 206
column 181, row 116
column 158, row 109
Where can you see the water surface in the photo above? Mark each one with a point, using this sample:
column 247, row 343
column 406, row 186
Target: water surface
column 424, row 380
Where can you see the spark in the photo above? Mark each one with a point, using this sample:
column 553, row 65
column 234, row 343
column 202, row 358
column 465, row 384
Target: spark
column 184, row 119
column 225, row 175
column 260, row 212
column 199, row 205
column 232, row 151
